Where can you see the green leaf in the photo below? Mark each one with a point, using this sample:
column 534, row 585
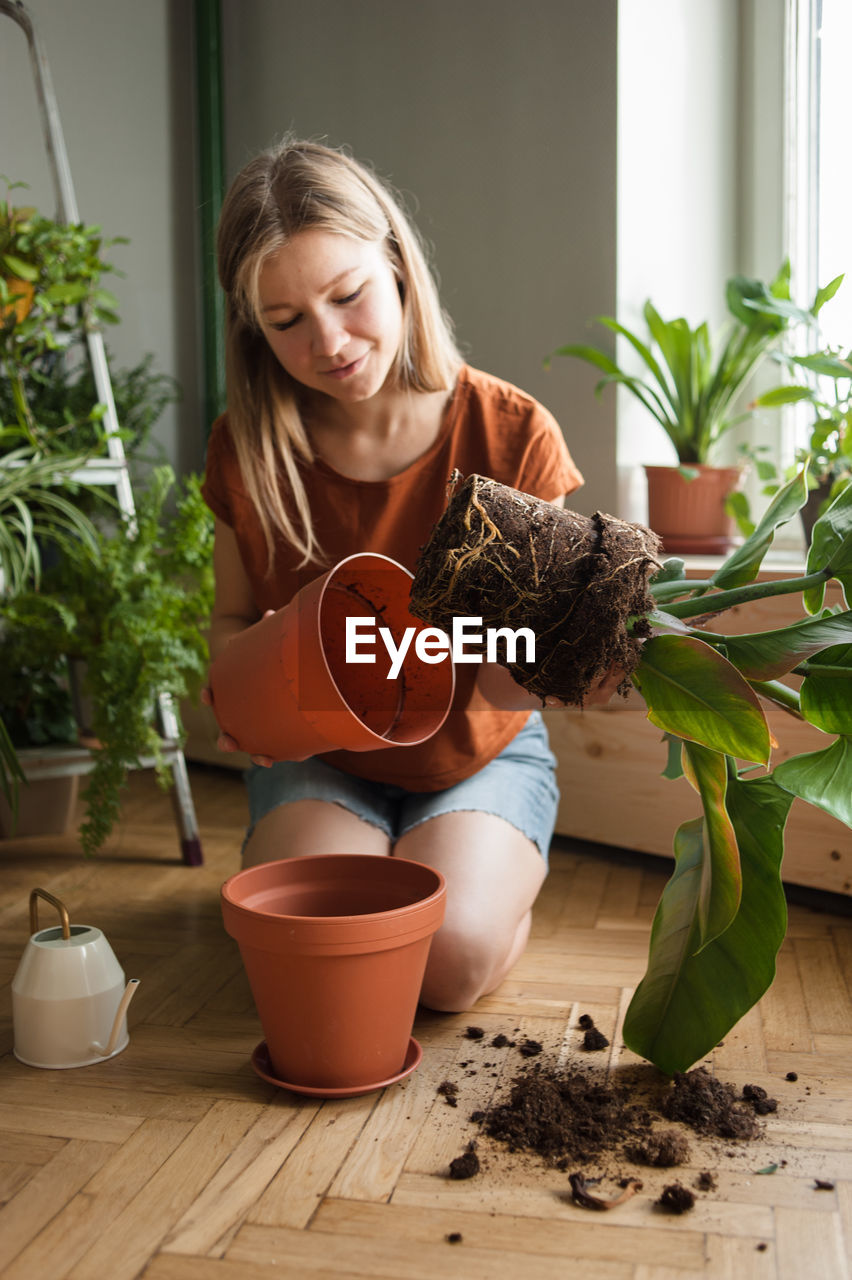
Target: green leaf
column 22, row 270
column 672, row 570
column 826, row 693
column 822, row 778
column 592, row 355
column 830, row 366
column 674, row 762
column 782, row 395
column 743, row 563
column 721, row 878
column 696, row 694
column 826, row 292
column 831, row 547
column 766, row 655
column 737, row 506
column 688, row 999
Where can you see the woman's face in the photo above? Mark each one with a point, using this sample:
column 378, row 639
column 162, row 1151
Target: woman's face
column 330, row 310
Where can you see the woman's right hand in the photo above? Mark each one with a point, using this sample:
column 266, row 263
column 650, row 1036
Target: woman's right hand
column 225, row 742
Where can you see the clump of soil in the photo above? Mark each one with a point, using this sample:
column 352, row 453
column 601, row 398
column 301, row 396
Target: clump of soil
column 762, row 1104
column 709, row 1106
column 474, row 1033
column 663, row 1148
column 449, row 1091
column 594, row 1039
column 467, row 1165
column 530, row 1048
column 517, row 561
column 676, row 1199
column 567, row 1117
column 706, row 1181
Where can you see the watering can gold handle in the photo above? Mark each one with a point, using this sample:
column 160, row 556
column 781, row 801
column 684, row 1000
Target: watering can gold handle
column 54, row 902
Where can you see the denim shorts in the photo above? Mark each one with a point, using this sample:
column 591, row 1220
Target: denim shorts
column 518, row 785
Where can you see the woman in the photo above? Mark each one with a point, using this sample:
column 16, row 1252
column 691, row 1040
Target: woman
column 348, row 408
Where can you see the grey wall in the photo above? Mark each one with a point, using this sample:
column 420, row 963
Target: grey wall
column 123, row 77
column 498, row 121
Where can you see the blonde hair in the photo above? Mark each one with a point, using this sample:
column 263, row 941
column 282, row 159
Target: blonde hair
column 294, row 186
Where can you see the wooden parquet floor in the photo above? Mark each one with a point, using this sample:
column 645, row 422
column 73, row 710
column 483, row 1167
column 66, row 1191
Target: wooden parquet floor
column 174, row 1161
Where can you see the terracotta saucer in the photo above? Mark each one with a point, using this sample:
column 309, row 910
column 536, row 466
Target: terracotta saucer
column 262, row 1065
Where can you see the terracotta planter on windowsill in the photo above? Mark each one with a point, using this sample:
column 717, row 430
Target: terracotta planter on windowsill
column 689, row 514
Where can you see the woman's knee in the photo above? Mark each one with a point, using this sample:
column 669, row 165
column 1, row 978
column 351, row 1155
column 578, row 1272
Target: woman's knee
column 302, row 827
column 463, row 966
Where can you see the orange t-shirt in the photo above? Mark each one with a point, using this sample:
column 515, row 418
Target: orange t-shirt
column 489, row 427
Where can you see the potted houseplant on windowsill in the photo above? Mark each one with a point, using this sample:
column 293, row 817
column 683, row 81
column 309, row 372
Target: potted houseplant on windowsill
column 691, row 391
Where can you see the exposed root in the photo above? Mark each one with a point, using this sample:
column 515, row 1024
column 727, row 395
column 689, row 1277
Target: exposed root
column 516, row 561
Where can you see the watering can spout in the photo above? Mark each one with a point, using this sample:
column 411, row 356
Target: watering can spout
column 129, row 993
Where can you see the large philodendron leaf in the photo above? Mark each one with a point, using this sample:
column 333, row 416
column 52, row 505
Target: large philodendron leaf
column 831, row 547
column 688, row 999
column 694, row 693
column 822, row 778
column 742, row 565
column 826, row 693
column 721, row 878
column 766, row 655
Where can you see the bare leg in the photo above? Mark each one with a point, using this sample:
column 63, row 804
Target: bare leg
column 312, row 826
column 493, row 875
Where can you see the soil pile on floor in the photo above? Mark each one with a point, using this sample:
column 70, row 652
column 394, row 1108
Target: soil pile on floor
column 568, row 1117
column 709, row 1106
column 576, row 1117
column 517, row 561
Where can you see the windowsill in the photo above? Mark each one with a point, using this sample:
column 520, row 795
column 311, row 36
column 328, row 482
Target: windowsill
column 785, row 563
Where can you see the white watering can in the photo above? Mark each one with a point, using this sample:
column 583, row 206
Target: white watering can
column 69, row 998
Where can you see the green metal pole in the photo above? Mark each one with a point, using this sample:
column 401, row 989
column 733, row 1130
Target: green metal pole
column 211, row 176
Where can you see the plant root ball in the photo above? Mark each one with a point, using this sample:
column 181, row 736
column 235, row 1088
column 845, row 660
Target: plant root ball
column 518, row 561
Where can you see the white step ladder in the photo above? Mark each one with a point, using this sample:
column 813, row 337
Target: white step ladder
column 111, row 470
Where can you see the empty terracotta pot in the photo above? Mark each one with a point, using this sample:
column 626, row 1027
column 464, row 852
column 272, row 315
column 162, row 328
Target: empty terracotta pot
column 335, row 948
column 283, row 688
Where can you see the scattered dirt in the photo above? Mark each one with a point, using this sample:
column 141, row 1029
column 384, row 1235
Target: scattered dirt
column 474, row 1033
column 530, row 1048
column 663, row 1148
column 517, row 561
column 582, row 1119
column 454, row 1237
